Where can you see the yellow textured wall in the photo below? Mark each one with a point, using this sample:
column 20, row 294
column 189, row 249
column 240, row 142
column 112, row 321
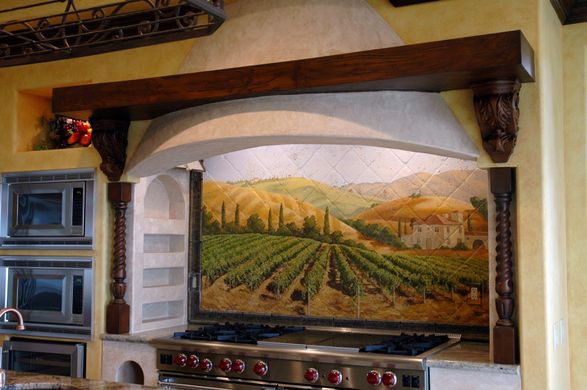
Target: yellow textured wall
column 575, row 90
column 137, row 63
column 550, row 70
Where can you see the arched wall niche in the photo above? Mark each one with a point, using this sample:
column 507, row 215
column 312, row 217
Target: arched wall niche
column 163, row 199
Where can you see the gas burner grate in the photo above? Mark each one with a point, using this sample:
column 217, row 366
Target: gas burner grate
column 406, row 345
column 237, row 332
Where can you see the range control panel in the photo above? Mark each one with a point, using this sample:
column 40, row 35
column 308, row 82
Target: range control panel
column 271, row 370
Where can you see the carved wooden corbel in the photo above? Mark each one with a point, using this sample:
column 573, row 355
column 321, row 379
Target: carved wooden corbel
column 496, row 108
column 110, row 138
column 504, row 332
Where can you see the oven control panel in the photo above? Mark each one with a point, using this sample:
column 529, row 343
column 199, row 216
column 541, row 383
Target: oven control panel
column 227, row 367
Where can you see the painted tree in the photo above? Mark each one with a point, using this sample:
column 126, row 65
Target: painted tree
column 237, row 218
column 269, row 222
column 223, row 216
column 326, row 225
column 281, row 219
column 255, row 224
column 399, row 228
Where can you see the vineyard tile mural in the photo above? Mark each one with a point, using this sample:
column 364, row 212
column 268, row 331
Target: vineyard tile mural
column 345, row 231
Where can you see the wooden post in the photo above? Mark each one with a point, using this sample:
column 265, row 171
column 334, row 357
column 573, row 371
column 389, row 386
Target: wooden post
column 110, row 137
column 118, row 311
column 505, row 339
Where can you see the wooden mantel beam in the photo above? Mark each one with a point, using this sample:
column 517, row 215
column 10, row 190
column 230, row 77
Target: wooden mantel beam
column 430, row 67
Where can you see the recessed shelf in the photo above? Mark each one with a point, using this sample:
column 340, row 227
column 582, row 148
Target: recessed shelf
column 163, row 243
column 164, row 260
column 163, row 277
column 164, row 226
column 161, row 311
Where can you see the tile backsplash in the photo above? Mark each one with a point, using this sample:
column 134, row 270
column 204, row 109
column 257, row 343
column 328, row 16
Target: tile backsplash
column 349, row 232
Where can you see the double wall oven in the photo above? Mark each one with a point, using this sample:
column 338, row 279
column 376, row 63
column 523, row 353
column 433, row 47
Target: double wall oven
column 54, row 294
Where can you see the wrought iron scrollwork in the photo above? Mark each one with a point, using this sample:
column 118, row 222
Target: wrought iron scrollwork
column 115, row 26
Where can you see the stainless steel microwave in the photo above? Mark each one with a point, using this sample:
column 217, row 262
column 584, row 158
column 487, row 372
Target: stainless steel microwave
column 53, row 294
column 53, row 209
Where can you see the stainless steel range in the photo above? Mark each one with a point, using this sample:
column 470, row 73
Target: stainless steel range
column 237, row 356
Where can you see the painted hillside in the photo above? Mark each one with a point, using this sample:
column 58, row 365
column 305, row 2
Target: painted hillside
column 342, row 203
column 458, row 184
column 254, row 201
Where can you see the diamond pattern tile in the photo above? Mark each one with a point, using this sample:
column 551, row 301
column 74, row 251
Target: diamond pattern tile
column 345, row 231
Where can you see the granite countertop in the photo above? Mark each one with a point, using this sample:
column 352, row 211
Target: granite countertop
column 143, row 337
column 27, row 380
column 470, row 356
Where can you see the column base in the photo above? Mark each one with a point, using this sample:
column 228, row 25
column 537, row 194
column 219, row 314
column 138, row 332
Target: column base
column 118, row 318
column 505, row 345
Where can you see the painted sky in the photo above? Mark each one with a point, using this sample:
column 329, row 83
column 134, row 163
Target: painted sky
column 336, row 165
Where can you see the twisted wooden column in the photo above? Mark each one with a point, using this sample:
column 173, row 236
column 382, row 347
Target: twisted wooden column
column 110, row 138
column 118, row 311
column 504, row 333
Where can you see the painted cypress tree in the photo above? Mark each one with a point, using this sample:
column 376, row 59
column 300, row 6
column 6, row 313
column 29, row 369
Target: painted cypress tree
column 223, row 216
column 326, row 225
column 470, row 223
column 270, row 222
column 399, row 228
column 237, row 217
column 281, row 220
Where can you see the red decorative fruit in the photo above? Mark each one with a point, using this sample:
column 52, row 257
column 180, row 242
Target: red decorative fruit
column 85, row 139
column 74, row 138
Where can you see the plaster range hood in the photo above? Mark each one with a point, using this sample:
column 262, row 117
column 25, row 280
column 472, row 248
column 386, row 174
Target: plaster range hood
column 274, row 31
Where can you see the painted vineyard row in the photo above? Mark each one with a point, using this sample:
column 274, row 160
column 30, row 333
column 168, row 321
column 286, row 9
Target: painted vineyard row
column 251, row 259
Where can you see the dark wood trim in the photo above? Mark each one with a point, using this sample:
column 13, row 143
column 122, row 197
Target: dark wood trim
column 570, row 11
column 435, row 66
column 505, row 341
column 401, row 3
column 496, row 108
column 110, row 138
column 118, row 311
column 195, row 241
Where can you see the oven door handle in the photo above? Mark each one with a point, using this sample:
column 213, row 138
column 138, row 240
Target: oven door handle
column 168, row 385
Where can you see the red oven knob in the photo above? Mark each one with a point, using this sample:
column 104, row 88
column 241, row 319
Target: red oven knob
column 260, row 368
column 180, row 360
column 373, row 378
column 238, row 366
column 193, row 361
column 389, row 379
column 312, row 375
column 225, row 365
column 205, row 365
column 335, row 377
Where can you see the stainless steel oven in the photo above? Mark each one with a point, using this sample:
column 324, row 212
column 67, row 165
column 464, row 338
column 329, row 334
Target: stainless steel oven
column 44, row 357
column 54, row 294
